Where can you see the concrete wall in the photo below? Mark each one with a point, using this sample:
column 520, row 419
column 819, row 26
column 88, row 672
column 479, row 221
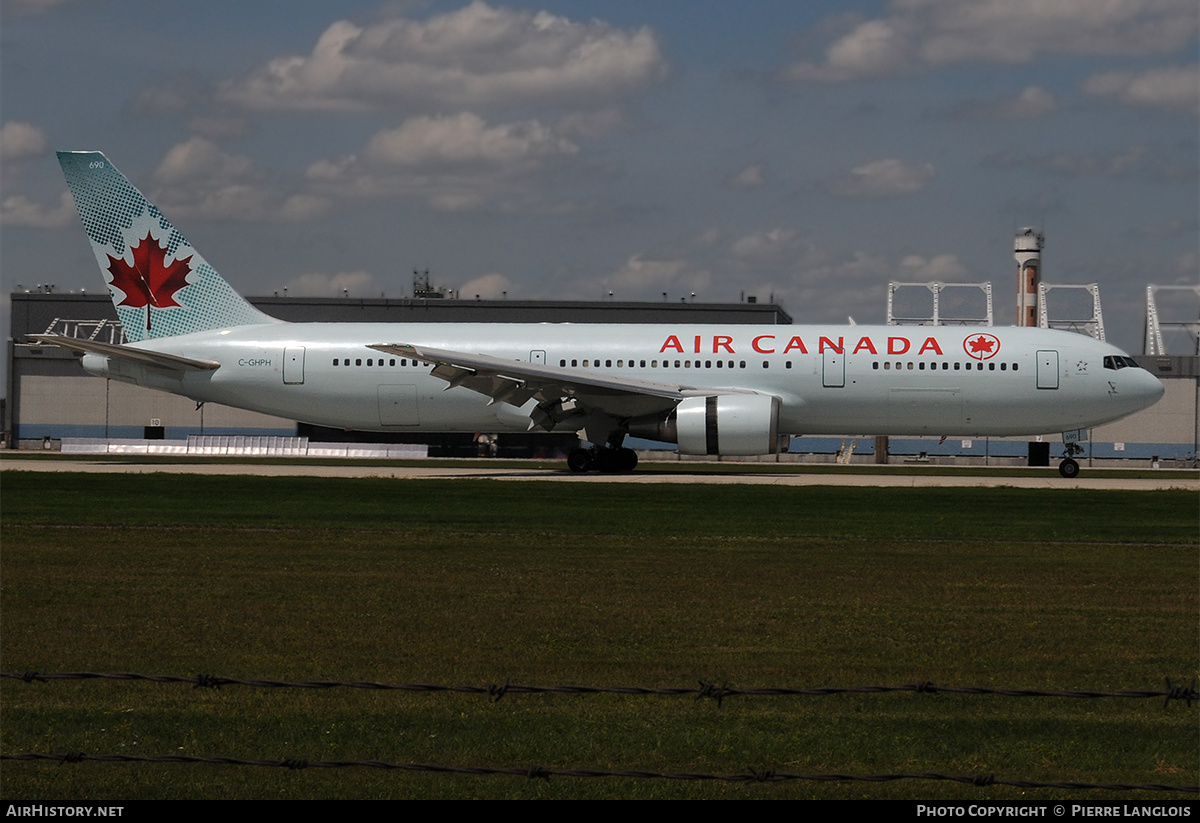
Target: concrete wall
column 56, row 398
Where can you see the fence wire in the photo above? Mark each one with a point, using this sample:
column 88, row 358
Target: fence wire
column 703, row 690
column 543, row 773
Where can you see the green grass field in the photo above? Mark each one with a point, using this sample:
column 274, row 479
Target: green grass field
column 482, row 582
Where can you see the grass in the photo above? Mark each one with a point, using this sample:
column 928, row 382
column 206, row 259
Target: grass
column 603, row 584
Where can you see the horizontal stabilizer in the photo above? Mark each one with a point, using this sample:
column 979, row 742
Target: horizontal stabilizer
column 170, row 362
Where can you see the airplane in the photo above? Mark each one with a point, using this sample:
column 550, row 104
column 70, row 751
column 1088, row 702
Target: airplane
column 710, row 389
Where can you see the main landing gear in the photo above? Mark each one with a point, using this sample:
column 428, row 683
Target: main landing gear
column 608, row 460
column 1069, row 467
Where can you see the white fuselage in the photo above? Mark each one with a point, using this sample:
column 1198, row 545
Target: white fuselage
column 893, row 380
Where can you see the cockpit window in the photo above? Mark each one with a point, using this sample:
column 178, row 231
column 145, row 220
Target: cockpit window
column 1119, row 361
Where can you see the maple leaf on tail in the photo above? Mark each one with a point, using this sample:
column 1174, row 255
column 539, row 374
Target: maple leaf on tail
column 149, row 281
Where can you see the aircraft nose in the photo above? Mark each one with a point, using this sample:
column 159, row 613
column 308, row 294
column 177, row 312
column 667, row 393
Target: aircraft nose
column 1148, row 389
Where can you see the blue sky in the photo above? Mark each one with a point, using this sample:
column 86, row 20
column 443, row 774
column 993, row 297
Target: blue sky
column 806, row 151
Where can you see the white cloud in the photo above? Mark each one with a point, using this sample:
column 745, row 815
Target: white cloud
column 455, row 163
column 748, row 178
column 1071, row 164
column 353, row 283
column 300, row 207
column 1183, row 268
column 591, row 123
column 814, row 283
column 19, row 210
column 922, row 34
column 487, row 287
column 31, row 8
column 642, row 277
column 941, row 267
column 883, row 178
column 1167, row 228
column 767, row 247
column 21, row 141
column 476, row 56
column 1032, row 101
column 199, row 161
column 465, row 139
column 196, row 178
column 1173, row 89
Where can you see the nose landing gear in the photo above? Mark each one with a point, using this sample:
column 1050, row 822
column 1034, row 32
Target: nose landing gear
column 1069, row 467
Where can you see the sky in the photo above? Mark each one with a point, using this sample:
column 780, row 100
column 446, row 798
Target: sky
column 806, row 153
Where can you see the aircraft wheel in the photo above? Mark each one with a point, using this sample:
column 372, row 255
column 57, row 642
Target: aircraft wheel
column 579, row 460
column 1068, row 469
column 628, row 460
column 608, row 461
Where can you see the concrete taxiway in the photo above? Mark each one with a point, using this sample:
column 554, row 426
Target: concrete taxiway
column 897, row 477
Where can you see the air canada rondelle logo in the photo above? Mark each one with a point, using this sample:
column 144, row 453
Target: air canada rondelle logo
column 982, row 346
column 150, row 281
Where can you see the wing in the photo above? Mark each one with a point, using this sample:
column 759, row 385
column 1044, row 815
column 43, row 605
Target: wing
column 562, row 394
column 143, row 357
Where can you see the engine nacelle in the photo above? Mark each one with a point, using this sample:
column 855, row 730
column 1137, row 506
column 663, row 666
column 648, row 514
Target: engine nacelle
column 730, row 424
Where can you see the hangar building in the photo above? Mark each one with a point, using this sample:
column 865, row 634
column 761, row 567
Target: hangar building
column 49, row 396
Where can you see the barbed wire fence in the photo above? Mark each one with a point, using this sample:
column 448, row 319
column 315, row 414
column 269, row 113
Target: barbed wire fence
column 494, row 691
column 710, row 691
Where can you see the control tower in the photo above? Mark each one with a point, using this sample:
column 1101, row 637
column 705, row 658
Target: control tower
column 1027, row 248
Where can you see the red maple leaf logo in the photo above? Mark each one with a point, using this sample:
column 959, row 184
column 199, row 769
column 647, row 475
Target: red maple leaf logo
column 149, row 281
column 982, row 346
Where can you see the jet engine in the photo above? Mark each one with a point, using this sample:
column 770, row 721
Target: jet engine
column 730, row 424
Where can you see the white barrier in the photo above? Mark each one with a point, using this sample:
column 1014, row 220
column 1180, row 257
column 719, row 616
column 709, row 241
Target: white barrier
column 244, row 446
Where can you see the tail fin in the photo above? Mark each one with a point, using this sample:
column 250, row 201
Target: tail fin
column 159, row 284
